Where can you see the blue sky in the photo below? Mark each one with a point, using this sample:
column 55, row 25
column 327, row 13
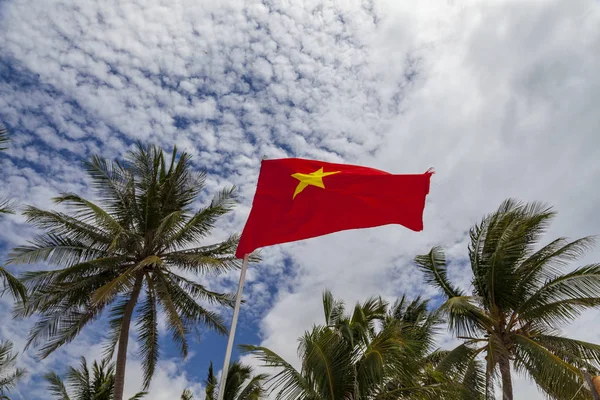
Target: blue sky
column 500, row 96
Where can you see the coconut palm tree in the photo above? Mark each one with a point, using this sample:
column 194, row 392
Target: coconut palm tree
column 519, row 301
column 349, row 357
column 99, row 385
column 7, row 206
column 9, row 375
column 132, row 246
column 235, row 389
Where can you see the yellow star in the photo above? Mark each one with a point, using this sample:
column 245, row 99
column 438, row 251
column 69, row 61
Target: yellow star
column 312, row 179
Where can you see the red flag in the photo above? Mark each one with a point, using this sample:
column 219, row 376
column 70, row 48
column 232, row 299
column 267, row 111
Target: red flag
column 299, row 199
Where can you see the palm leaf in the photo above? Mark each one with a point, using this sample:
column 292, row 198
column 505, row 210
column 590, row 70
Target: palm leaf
column 333, row 309
column 545, row 263
column 3, row 137
column 293, row 385
column 15, row 286
column 210, row 383
column 147, row 323
column 465, row 318
column 433, row 265
column 7, row 206
column 254, row 390
column 56, row 386
column 564, row 296
column 80, row 380
column 187, row 395
column 554, row 376
column 9, row 374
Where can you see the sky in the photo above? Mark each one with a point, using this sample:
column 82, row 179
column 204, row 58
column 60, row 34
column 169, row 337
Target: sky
column 500, row 97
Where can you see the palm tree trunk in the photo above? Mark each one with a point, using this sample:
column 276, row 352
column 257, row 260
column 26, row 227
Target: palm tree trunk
column 124, row 339
column 507, row 389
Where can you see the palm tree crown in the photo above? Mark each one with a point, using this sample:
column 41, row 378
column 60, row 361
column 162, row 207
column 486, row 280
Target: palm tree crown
column 83, row 385
column 431, row 378
column 9, row 375
column 134, row 245
column 372, row 353
column 241, row 384
column 520, row 299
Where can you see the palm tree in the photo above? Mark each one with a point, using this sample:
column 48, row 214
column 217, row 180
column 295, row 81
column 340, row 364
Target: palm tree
column 7, row 206
column 99, row 385
column 9, row 375
column 349, row 357
column 519, row 301
column 235, row 389
column 132, row 246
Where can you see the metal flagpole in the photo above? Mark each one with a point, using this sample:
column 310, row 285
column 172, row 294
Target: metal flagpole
column 236, row 311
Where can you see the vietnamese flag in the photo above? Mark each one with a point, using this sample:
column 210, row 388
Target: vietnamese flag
column 299, row 199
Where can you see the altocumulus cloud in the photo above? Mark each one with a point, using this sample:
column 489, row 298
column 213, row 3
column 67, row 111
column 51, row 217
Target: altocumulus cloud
column 500, row 96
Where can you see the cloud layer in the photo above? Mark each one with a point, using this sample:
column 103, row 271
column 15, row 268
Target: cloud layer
column 500, row 97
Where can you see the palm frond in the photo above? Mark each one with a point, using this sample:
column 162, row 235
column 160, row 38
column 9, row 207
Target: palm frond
column 433, row 266
column 115, row 323
column 63, row 225
column 201, row 223
column 254, row 389
column 458, row 359
column 465, row 318
column 576, row 352
column 200, row 292
column 147, row 323
column 16, row 288
column 293, row 385
column 9, row 374
column 190, row 311
column 177, row 326
column 210, row 383
column 217, row 258
column 56, row 386
column 138, row 396
column 4, row 139
column 510, row 235
column 332, row 308
column 7, row 206
column 55, row 250
column 564, row 297
column 123, row 282
column 553, row 375
column 80, row 380
column 187, row 395
column 327, row 361
column 59, row 328
column 546, row 263
column 115, row 185
column 387, row 354
column 87, row 212
column 237, row 374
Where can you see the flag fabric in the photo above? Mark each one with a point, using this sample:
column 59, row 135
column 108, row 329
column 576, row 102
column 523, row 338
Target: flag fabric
column 299, row 199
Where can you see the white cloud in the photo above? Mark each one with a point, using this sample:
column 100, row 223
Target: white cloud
column 499, row 96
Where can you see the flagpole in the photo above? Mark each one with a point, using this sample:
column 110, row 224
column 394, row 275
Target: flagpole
column 236, row 311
